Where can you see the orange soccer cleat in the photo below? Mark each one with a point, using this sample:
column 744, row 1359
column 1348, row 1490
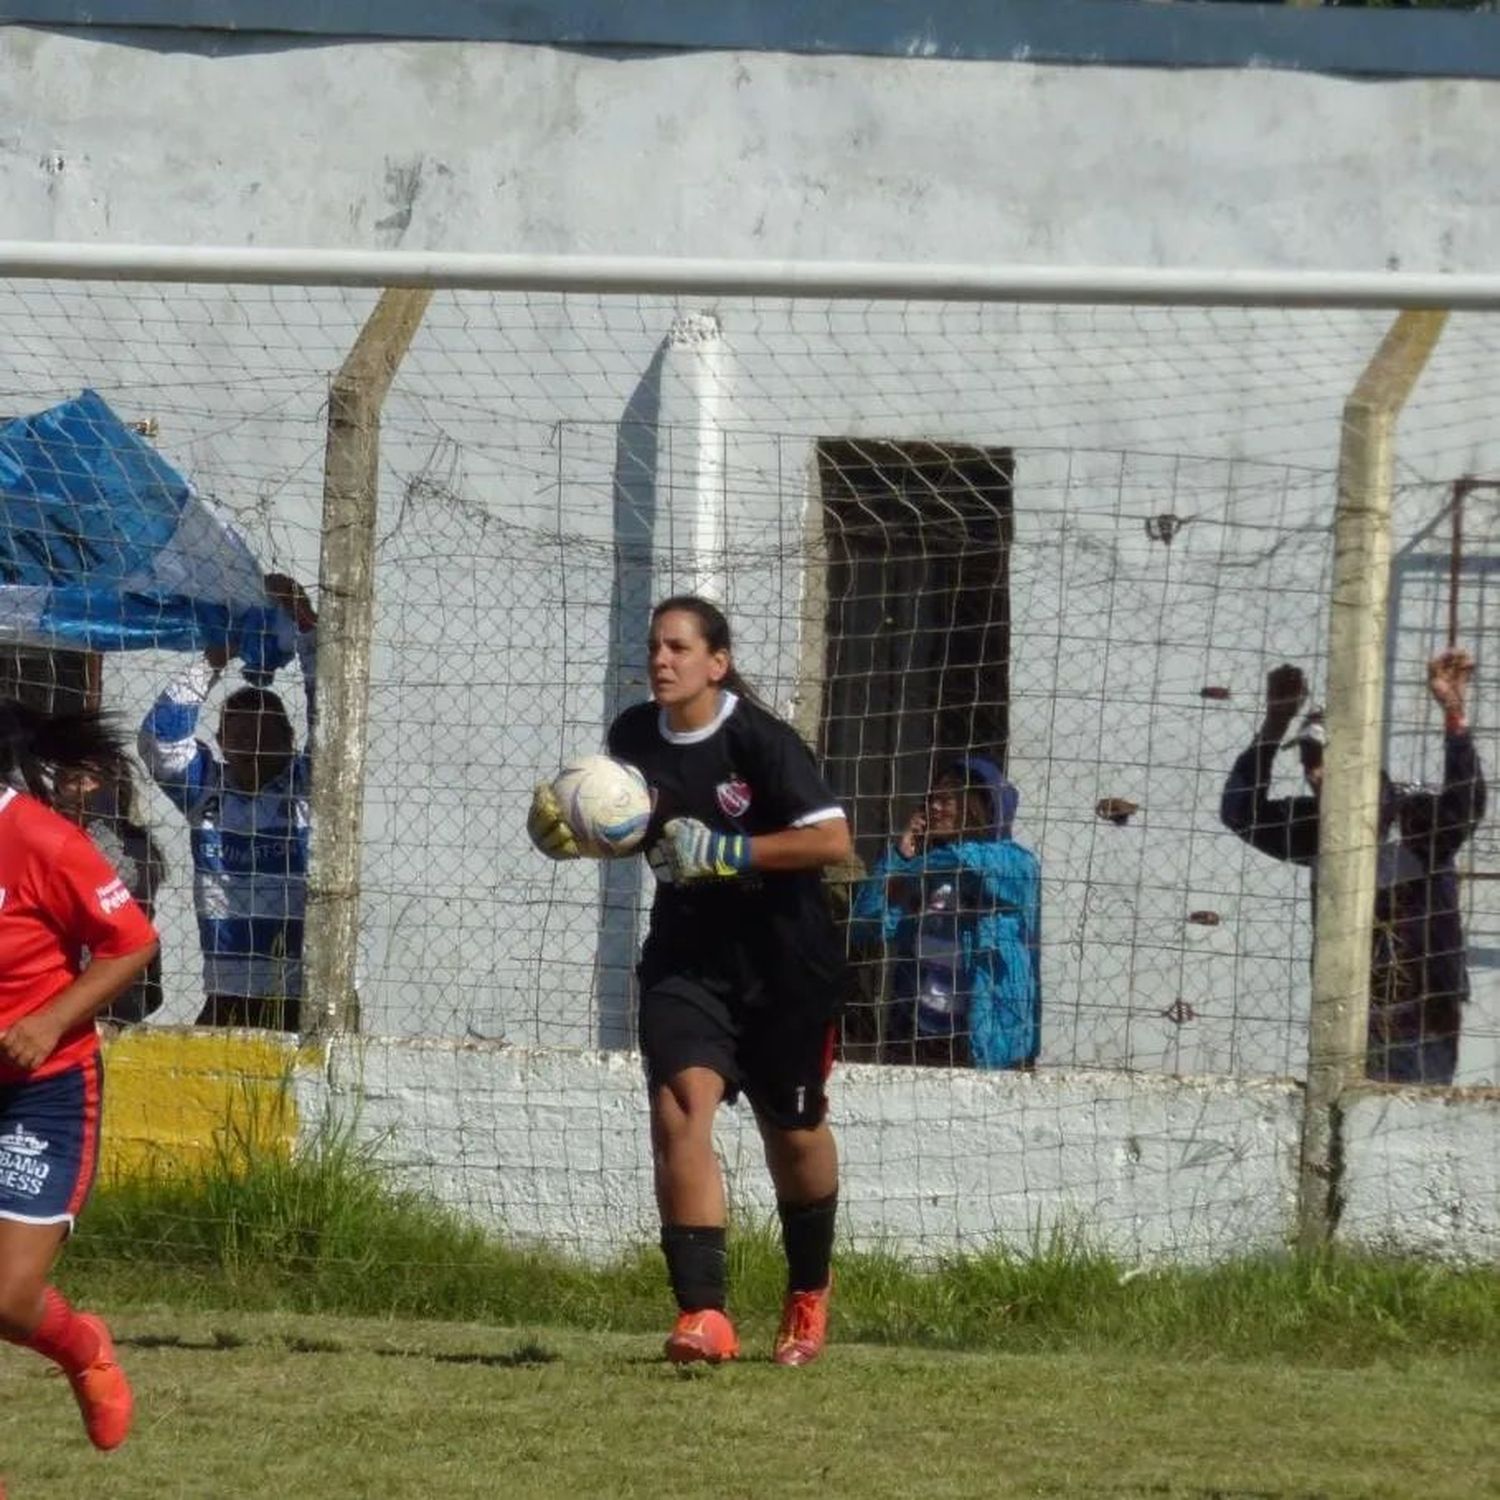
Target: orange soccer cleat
column 103, row 1392
column 804, row 1327
column 706, row 1336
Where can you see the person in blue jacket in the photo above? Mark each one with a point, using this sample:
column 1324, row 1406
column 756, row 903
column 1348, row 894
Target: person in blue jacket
column 247, row 800
column 956, row 904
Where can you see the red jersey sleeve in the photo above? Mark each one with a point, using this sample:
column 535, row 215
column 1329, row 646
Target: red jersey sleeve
column 90, row 904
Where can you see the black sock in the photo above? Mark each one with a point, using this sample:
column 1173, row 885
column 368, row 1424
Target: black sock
column 697, row 1265
column 807, row 1234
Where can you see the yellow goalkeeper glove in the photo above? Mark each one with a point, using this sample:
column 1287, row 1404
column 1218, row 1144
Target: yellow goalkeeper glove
column 689, row 850
column 547, row 827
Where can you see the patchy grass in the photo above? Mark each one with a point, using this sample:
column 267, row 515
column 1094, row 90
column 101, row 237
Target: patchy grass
column 268, row 1404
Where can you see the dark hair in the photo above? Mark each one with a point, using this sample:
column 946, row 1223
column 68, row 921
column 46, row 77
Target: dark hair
column 255, row 700
column 714, row 628
column 120, row 777
column 115, row 805
column 116, row 776
column 1417, row 812
column 33, row 744
column 261, row 703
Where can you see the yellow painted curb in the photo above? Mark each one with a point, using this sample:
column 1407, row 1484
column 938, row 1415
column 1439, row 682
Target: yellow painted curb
column 176, row 1100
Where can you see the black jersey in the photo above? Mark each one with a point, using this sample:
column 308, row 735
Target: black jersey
column 769, row 935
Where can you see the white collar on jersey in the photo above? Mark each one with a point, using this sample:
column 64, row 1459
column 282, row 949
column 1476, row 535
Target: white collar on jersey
column 727, row 703
column 7, row 797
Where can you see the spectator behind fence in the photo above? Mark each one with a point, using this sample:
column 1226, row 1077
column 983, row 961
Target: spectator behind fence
column 246, row 803
column 100, row 798
column 1418, row 975
column 955, row 903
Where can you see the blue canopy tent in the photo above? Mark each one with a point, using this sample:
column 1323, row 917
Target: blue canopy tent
column 104, row 546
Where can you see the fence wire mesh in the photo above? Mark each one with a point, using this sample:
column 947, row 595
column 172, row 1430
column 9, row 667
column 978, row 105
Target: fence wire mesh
column 1071, row 540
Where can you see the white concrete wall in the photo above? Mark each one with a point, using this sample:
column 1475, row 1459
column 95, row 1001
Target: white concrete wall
column 502, row 147
column 551, row 1147
column 531, row 443
column 1423, row 1172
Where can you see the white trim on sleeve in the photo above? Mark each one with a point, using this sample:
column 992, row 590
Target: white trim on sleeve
column 820, row 815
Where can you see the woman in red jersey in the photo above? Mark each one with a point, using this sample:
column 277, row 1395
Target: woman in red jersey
column 58, row 898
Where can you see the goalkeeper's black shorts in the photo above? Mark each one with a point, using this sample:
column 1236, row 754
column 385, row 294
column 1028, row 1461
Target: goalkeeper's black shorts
column 777, row 1056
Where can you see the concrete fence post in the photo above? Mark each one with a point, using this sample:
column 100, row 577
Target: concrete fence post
column 1350, row 802
column 346, row 616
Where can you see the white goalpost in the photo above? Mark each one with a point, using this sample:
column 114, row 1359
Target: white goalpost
column 690, row 277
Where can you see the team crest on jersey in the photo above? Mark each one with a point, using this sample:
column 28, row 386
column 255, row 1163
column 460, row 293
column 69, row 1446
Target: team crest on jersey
column 733, row 797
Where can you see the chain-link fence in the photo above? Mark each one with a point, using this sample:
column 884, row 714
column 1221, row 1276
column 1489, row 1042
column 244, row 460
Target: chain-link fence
column 1066, row 540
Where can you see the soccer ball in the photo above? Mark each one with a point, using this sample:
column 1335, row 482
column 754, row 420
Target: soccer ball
column 605, row 802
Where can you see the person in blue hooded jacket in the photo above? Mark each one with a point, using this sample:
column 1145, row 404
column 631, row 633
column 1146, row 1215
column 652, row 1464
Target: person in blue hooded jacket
column 956, row 904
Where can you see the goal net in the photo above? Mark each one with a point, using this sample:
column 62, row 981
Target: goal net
column 1066, row 540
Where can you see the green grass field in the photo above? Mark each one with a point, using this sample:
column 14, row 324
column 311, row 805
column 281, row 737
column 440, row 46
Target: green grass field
column 270, row 1404
column 302, row 1328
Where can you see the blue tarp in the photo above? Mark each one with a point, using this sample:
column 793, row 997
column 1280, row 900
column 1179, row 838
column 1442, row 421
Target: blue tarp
column 104, row 546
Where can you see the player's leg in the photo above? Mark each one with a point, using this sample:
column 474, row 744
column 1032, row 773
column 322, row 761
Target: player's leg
column 689, row 1187
column 900, row 1034
column 216, row 1010
column 690, row 1197
column 37, row 1316
column 50, row 1130
column 688, row 1053
column 786, row 1076
column 269, row 1013
column 1439, row 1023
column 241, row 1012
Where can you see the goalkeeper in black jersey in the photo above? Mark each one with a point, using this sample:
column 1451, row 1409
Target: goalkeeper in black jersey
column 740, row 971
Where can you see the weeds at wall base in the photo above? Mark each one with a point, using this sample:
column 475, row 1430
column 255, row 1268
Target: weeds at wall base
column 325, row 1230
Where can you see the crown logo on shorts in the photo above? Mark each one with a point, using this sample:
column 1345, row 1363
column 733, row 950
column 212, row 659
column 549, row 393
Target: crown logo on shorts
column 22, row 1142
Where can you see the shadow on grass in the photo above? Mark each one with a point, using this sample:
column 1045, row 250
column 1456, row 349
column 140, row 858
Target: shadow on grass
column 526, row 1356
